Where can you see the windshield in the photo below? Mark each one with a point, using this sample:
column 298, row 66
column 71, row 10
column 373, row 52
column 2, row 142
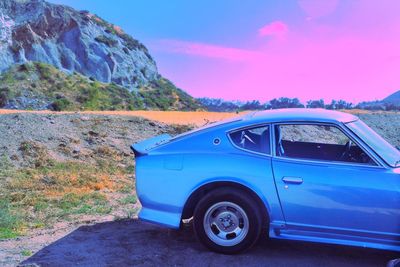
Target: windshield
column 385, row 150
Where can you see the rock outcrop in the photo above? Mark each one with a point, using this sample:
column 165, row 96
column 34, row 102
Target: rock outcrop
column 73, row 41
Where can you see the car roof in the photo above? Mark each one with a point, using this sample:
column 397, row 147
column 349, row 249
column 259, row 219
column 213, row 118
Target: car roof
column 299, row 114
column 276, row 115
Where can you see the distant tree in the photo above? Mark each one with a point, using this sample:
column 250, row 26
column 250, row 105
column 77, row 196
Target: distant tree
column 267, row 105
column 316, row 103
column 332, row 105
column 391, row 107
column 341, row 104
column 371, row 105
column 252, row 105
column 219, row 105
column 285, row 102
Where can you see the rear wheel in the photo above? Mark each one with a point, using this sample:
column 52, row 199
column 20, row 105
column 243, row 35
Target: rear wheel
column 227, row 221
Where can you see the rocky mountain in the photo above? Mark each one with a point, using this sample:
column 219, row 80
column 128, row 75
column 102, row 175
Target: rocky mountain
column 36, row 36
column 393, row 98
column 391, row 102
column 72, row 41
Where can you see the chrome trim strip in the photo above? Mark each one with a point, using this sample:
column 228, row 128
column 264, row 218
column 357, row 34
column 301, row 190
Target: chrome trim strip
column 321, row 162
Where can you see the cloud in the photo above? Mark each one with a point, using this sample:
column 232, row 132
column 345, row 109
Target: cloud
column 326, row 66
column 204, row 50
column 275, row 28
column 352, row 57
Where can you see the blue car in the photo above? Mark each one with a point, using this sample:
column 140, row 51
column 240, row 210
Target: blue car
column 297, row 174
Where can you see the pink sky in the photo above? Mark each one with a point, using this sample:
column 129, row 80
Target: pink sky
column 334, row 50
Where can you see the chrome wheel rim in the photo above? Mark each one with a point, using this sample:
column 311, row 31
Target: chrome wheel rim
column 226, row 224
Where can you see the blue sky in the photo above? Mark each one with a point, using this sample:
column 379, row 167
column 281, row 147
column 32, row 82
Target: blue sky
column 221, row 22
column 262, row 49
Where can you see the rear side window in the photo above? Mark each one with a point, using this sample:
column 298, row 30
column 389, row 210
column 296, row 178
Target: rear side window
column 255, row 139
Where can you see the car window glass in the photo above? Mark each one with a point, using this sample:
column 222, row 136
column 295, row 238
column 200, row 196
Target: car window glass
column 255, row 139
column 318, row 142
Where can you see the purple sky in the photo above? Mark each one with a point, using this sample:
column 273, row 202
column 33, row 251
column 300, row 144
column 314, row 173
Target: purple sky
column 233, row 49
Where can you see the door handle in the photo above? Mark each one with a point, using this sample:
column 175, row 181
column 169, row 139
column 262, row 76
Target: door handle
column 292, row 180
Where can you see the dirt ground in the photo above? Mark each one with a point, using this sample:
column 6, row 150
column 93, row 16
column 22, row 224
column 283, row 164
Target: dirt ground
column 169, row 117
column 135, row 243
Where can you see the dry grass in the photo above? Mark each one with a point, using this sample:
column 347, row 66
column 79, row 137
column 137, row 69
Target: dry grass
column 47, row 191
column 363, row 111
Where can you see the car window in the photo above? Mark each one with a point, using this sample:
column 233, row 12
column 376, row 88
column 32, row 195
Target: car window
column 255, row 139
column 318, row 142
column 388, row 152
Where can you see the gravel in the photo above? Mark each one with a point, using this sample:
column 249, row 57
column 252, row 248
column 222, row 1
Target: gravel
column 72, row 136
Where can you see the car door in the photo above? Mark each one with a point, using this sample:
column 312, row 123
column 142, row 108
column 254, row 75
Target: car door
column 322, row 191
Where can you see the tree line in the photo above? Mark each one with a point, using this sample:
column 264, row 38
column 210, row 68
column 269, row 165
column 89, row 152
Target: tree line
column 213, row 104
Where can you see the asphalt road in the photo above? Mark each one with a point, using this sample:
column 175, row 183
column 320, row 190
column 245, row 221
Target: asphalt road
column 128, row 243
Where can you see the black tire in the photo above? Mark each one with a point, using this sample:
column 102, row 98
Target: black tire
column 242, row 200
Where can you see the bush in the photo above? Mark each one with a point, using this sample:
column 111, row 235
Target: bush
column 106, row 40
column 130, row 43
column 8, row 222
column 45, row 71
column 4, row 96
column 60, row 104
column 26, row 67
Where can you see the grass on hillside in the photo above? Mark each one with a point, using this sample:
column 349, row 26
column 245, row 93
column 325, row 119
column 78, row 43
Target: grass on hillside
column 48, row 191
column 71, row 92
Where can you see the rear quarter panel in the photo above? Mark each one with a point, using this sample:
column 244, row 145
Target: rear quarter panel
column 168, row 176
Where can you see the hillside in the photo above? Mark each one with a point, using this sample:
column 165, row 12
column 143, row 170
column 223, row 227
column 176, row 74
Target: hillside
column 39, row 86
column 86, row 63
column 72, row 40
column 393, row 98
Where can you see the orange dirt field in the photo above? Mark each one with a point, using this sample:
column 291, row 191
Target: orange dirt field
column 170, row 117
column 197, row 118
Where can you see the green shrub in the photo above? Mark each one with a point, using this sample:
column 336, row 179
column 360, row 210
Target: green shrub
column 26, row 253
column 44, row 70
column 131, row 199
column 60, row 104
column 4, row 96
column 110, row 42
column 9, row 223
column 26, row 67
column 90, row 203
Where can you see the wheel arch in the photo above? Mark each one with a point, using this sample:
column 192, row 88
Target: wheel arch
column 201, row 191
